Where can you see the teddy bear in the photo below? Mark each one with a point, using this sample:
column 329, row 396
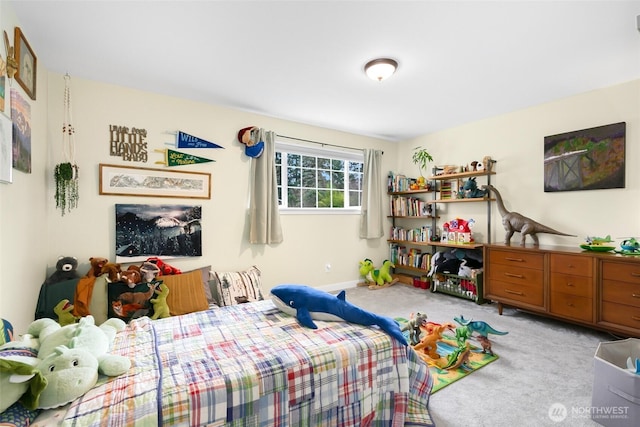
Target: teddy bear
column 70, row 359
column 66, row 269
column 160, row 307
column 113, row 272
column 96, row 266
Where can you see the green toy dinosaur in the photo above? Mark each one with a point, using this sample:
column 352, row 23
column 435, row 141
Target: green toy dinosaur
column 160, row 307
column 64, row 311
column 383, row 275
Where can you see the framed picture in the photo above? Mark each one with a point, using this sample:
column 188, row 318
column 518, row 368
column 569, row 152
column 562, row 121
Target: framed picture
column 586, row 159
column 6, row 156
column 148, row 182
column 27, row 64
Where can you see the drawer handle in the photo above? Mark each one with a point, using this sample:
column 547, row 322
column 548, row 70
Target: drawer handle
column 513, row 292
column 635, row 295
column 635, row 274
column 570, row 284
column 518, row 276
column 514, row 259
column 635, row 318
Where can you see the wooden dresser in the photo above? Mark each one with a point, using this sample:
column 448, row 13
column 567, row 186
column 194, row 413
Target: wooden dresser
column 595, row 289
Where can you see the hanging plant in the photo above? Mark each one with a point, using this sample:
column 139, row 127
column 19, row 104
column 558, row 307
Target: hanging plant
column 66, row 173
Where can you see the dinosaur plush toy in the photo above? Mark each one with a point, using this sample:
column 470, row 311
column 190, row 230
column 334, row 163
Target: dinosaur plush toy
column 70, row 359
column 64, row 311
column 160, row 307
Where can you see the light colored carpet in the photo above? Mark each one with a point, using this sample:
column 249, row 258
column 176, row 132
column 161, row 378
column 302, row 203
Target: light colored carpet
column 542, row 362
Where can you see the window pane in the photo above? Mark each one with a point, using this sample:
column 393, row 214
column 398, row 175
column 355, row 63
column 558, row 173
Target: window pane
column 355, row 181
column 308, row 162
column 324, row 199
column 293, row 177
column 337, row 180
column 293, row 197
column 337, row 199
column 324, row 179
column 337, row 165
column 293, row 160
column 279, row 175
column 309, row 178
column 324, row 163
column 354, row 198
column 356, row 167
column 279, row 196
column 308, row 198
column 278, row 158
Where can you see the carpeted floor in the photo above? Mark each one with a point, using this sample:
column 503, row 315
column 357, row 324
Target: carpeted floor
column 542, row 363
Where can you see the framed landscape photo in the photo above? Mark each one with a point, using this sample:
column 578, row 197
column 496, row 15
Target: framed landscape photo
column 149, row 182
column 27, row 64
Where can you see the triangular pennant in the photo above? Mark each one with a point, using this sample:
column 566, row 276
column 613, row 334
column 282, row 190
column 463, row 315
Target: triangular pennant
column 176, row 158
column 184, row 140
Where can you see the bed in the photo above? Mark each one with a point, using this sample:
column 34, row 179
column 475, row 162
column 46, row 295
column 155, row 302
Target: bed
column 253, row 365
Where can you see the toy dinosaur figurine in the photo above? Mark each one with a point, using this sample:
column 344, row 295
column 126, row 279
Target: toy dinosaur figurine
column 413, row 326
column 458, row 358
column 513, row 221
column 479, row 326
column 429, row 344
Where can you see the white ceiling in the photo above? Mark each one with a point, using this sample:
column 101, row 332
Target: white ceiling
column 301, row 60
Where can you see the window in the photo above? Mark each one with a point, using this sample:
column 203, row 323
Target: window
column 318, row 179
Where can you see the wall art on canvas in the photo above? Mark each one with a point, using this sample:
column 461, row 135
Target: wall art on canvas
column 587, row 159
column 21, row 117
column 164, row 231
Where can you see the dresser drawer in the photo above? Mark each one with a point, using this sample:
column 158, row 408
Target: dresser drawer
column 621, row 314
column 572, row 285
column 621, row 271
column 575, row 307
column 572, row 264
column 517, row 275
column 516, row 258
column 621, row 293
column 526, row 292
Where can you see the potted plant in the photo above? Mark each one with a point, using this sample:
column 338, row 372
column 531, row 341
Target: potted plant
column 421, row 157
column 66, row 176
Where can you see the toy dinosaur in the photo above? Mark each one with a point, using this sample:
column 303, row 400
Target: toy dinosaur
column 458, row 358
column 160, row 307
column 366, row 267
column 470, row 189
column 462, row 335
column 382, row 276
column 513, row 221
column 413, row 326
column 64, row 311
column 429, row 344
column 479, row 326
column 485, row 343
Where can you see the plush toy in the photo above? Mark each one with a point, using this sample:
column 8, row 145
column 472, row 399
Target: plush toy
column 64, row 311
column 251, row 138
column 70, row 359
column 131, row 276
column 149, row 271
column 96, row 266
column 17, row 361
column 160, row 307
column 66, row 269
column 366, row 267
column 165, row 269
column 113, row 272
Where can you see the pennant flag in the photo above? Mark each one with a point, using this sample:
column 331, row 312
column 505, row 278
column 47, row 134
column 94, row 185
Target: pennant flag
column 176, row 158
column 184, row 140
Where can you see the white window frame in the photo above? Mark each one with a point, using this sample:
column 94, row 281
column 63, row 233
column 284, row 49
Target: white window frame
column 351, row 155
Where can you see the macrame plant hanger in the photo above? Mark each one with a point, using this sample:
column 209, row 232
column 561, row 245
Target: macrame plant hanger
column 66, row 173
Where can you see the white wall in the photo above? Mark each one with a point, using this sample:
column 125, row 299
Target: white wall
column 516, row 140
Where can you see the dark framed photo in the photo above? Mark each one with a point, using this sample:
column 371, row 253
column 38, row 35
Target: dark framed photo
column 27, row 64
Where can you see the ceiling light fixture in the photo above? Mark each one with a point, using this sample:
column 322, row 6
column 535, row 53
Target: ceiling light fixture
column 381, row 68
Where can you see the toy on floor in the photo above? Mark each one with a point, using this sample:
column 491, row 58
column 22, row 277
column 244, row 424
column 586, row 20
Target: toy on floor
column 482, row 328
column 307, row 303
column 458, row 358
column 160, row 307
column 416, row 320
column 64, row 311
column 428, row 345
column 485, row 343
column 382, row 277
column 366, row 267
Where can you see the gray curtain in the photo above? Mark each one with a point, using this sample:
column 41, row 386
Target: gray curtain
column 264, row 215
column 371, row 212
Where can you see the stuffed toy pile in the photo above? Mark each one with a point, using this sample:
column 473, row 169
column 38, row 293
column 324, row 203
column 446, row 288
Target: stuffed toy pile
column 69, row 359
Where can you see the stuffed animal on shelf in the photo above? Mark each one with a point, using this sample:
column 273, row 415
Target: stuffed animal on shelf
column 96, row 266
column 131, row 276
column 149, row 271
column 64, row 311
column 160, row 306
column 66, row 269
column 70, row 359
column 113, row 272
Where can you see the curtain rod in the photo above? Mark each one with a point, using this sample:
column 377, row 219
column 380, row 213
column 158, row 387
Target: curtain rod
column 321, row 143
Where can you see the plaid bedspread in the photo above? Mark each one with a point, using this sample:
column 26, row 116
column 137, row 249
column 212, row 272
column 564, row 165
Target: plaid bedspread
column 252, row 365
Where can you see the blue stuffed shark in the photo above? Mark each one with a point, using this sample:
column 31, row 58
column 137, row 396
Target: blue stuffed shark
column 307, row 303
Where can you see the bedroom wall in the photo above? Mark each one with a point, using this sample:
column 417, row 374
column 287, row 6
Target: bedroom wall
column 516, row 140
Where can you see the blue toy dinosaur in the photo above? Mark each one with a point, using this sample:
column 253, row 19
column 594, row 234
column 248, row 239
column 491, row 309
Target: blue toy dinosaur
column 482, row 328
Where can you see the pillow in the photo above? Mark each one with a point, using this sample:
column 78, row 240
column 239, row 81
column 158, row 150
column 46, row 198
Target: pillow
column 229, row 285
column 127, row 303
column 186, row 292
column 204, row 271
column 98, row 304
column 17, row 415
